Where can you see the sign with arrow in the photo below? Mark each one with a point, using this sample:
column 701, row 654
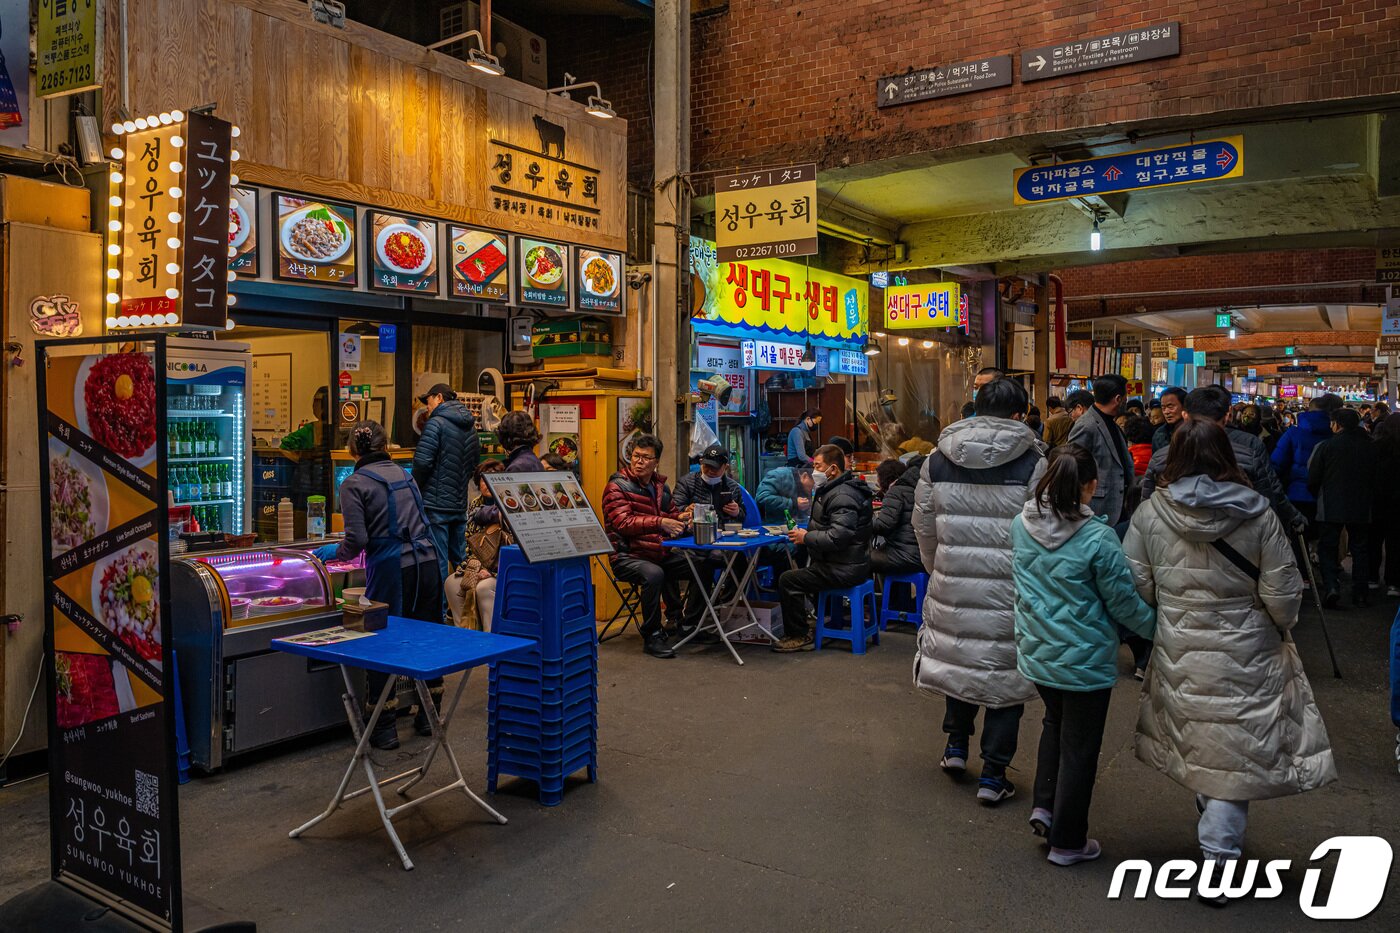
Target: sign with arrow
column 1101, row 51
column 944, row 81
column 1185, row 164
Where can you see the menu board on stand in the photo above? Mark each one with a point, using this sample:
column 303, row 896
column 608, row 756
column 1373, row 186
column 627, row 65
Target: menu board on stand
column 549, row 515
column 108, row 649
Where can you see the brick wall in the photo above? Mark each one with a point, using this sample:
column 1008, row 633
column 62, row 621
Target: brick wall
column 616, row 54
column 1281, row 267
column 775, row 80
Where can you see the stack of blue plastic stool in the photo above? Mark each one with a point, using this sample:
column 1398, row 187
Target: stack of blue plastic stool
column 864, row 625
column 918, row 584
column 542, row 708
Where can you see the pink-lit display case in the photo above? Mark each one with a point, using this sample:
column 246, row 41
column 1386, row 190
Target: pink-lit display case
column 265, row 584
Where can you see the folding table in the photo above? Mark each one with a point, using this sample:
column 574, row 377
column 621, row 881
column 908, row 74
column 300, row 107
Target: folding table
column 731, row 547
column 421, row 651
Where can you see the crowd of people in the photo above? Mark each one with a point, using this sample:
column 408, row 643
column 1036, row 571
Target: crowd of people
column 1177, row 528
column 1173, row 527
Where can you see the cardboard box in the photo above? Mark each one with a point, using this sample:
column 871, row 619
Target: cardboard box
column 30, row 201
column 770, row 623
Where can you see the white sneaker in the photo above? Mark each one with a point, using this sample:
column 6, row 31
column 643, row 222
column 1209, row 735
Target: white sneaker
column 1091, row 851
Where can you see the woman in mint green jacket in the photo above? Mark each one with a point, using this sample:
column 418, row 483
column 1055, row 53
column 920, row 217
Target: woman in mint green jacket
column 1072, row 585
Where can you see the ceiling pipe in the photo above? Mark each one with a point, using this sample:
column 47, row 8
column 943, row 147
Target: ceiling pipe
column 1301, row 286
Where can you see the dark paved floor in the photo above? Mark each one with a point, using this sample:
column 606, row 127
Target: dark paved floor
column 795, row 793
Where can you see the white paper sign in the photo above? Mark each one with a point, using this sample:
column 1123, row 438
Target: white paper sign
column 349, row 352
column 562, row 419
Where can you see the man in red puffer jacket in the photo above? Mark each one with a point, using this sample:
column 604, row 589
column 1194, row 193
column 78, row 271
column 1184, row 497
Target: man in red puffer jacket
column 638, row 514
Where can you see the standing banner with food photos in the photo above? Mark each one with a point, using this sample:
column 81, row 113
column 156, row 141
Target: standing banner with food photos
column 549, row 515
column 108, row 649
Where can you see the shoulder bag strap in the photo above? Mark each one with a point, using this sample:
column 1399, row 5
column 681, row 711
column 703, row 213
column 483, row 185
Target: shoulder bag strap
column 1241, row 562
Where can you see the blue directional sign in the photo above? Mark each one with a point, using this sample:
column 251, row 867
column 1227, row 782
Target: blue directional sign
column 1185, row 164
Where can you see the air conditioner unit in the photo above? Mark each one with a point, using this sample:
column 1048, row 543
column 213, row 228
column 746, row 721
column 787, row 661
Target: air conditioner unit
column 524, row 54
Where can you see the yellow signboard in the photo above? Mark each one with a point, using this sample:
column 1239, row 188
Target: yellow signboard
column 933, row 304
column 774, row 298
column 768, row 214
column 68, row 46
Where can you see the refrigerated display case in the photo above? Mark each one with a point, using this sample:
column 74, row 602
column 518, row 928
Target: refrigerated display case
column 207, row 432
column 239, row 694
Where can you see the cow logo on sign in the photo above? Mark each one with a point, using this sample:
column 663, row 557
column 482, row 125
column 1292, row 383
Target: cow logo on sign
column 551, row 136
column 55, row 317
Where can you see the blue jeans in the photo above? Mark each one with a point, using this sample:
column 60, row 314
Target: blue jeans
column 1221, row 828
column 449, row 531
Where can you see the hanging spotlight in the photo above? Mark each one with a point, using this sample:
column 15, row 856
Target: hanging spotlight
column 597, row 106
column 477, row 56
column 870, row 348
column 1096, row 238
column 600, row 108
column 809, row 355
column 904, row 341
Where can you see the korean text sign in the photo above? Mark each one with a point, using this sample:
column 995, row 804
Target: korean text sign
column 767, row 354
column 725, row 360
column 1188, row 163
column 767, row 214
column 775, row 298
column 937, row 304
column 108, row 646
column 68, row 46
column 549, row 515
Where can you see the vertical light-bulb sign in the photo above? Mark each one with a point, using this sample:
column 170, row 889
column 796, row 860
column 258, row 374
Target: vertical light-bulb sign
column 168, row 233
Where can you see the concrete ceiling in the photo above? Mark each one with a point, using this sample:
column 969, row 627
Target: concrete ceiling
column 1306, row 183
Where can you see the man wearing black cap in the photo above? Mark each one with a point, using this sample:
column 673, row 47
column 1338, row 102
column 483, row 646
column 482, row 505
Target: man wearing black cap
column 443, row 464
column 713, row 486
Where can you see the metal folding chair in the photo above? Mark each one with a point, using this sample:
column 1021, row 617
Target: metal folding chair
column 631, row 601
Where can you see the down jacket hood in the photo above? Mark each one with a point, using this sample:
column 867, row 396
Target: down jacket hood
column 982, row 442
column 1202, row 509
column 1049, row 530
column 455, row 412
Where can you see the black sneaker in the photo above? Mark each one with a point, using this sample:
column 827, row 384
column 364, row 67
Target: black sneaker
column 385, row 736
column 993, row 790
column 1361, row 600
column 657, row 646
column 1331, row 598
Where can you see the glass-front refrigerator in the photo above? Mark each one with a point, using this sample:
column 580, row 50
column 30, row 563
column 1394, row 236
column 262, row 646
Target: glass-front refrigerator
column 207, row 448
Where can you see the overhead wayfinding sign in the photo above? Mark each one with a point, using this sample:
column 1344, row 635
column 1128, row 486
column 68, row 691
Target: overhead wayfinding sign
column 1090, row 53
column 1188, row 163
column 766, row 214
column 944, row 81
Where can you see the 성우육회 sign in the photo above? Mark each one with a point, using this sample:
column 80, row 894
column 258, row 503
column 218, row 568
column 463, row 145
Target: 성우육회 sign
column 935, row 304
column 944, row 81
column 1101, row 51
column 1188, row 163
column 1388, row 265
column 767, row 214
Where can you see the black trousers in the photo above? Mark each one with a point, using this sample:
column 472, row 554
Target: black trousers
column 795, row 586
column 1070, row 738
column 422, row 600
column 1330, row 557
column 1000, row 728
column 881, row 563
column 656, row 580
column 1385, row 543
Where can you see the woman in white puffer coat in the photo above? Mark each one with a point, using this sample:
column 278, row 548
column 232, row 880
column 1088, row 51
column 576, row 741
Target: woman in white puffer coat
column 1227, row 710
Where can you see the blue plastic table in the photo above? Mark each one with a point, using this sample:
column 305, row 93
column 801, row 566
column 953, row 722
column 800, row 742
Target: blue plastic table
column 734, row 545
column 421, row 651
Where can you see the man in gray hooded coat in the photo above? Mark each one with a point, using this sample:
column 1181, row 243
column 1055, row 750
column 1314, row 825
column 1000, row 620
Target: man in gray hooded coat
column 970, row 489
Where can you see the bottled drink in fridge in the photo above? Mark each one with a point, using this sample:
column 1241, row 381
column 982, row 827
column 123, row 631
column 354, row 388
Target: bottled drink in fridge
column 315, row 517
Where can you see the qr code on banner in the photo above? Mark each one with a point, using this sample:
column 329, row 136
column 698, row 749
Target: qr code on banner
column 148, row 794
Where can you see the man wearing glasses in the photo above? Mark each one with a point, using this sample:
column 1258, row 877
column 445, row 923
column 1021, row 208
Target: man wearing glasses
column 638, row 514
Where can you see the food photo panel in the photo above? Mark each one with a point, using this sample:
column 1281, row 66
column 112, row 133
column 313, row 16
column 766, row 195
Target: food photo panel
column 480, row 262
column 315, row 241
column 544, row 272
column 243, row 231
column 599, row 281
column 403, row 253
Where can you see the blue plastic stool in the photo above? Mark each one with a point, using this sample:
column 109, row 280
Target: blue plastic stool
column 918, row 582
column 861, row 630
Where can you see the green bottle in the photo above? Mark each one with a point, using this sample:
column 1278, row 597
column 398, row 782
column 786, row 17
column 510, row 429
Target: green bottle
column 791, row 522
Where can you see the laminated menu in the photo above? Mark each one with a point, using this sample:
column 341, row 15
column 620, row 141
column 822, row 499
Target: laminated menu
column 549, row 515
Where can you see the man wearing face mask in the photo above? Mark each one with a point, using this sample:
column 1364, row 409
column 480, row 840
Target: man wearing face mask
column 799, row 440
column 711, row 485
column 837, row 541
